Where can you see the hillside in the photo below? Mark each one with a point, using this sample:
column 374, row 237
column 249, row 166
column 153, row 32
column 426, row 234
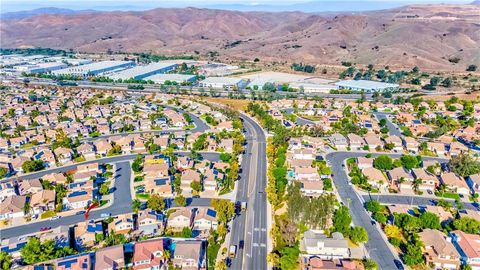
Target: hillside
column 423, row 35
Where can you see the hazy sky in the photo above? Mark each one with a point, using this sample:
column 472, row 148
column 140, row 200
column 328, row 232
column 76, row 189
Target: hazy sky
column 16, row 5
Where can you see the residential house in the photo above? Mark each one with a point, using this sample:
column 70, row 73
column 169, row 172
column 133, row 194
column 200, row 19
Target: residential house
column 439, row 250
column 85, row 234
column 473, row 182
column 437, row 148
column 205, row 219
column 373, row 141
column 181, row 218
column 149, row 255
column 75, row 262
column 42, row 201
column 311, row 188
column 455, row 183
column 189, row 255
column 396, row 142
column 227, row 145
column 102, row 147
column 445, row 216
column 402, row 178
column 7, row 189
column 150, row 222
column 468, row 246
column 122, row 224
column 30, row 186
column 110, row 258
column 77, row 199
column 428, row 181
column 364, row 162
column 12, row 207
column 316, row 243
column 376, row 178
column 63, row 154
column 184, row 163
column 187, row 178
column 87, row 150
column 338, row 141
column 356, row 142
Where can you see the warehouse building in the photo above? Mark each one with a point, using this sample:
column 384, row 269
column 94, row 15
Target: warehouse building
column 228, row 83
column 366, row 86
column 313, row 87
column 41, row 67
column 141, row 72
column 178, row 78
column 93, row 69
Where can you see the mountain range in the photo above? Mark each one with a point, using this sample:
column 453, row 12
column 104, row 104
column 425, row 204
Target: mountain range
column 435, row 37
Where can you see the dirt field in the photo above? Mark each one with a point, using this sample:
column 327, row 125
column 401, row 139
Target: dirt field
column 472, row 96
column 239, row 104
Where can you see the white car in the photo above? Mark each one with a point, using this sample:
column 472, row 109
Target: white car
column 54, row 218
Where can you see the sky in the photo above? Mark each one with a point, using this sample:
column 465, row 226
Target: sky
column 263, row 5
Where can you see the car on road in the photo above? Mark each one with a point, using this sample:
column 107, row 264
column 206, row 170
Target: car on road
column 241, row 244
column 232, row 252
column 54, row 218
column 399, row 264
column 42, row 229
column 105, row 215
column 228, row 262
column 80, row 212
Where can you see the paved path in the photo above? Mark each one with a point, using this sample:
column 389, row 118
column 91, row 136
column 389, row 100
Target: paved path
column 251, row 227
column 392, row 129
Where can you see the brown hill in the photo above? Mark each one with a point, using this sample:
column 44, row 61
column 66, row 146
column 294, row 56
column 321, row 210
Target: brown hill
column 429, row 36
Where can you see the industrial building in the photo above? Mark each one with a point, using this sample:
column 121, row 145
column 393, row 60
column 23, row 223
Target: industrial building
column 95, row 68
column 309, row 87
column 41, row 67
column 178, row 78
column 228, row 83
column 141, row 72
column 366, row 86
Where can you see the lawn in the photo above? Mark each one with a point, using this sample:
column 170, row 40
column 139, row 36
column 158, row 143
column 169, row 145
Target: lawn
column 47, row 214
column 448, row 195
column 212, row 251
column 142, row 196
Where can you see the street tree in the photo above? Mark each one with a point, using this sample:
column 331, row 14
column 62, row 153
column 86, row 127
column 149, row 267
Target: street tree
column 155, row 202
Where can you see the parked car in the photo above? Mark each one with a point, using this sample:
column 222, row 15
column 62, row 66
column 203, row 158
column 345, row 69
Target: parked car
column 45, row 229
column 54, row 217
column 105, row 215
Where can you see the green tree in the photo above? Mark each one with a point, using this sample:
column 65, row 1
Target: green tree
column 358, row 235
column 383, row 162
column 180, row 200
column 136, row 204
column 380, row 217
column 33, row 166
column 409, row 162
column 5, row 260
column 155, row 202
column 370, row 264
column 413, row 254
column 289, row 258
column 373, row 206
column 137, row 165
column 104, row 189
column 464, row 164
column 430, row 220
column 225, row 209
column 3, row 172
column 468, row 225
column 187, row 232
column 342, row 220
column 196, row 186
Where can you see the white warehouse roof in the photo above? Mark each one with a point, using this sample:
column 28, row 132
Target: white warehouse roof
column 95, row 67
column 222, row 80
column 140, row 72
column 365, row 85
column 161, row 78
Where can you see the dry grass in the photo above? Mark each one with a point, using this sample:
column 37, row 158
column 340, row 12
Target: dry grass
column 463, row 96
column 238, row 104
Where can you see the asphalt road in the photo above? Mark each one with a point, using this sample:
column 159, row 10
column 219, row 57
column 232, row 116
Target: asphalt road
column 392, row 129
column 378, row 249
column 412, row 200
column 251, row 226
column 189, row 89
column 300, row 120
column 122, row 202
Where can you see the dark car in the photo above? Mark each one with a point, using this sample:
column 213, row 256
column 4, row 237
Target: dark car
column 228, row 262
column 45, row 229
column 241, row 243
column 399, row 265
column 80, row 212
